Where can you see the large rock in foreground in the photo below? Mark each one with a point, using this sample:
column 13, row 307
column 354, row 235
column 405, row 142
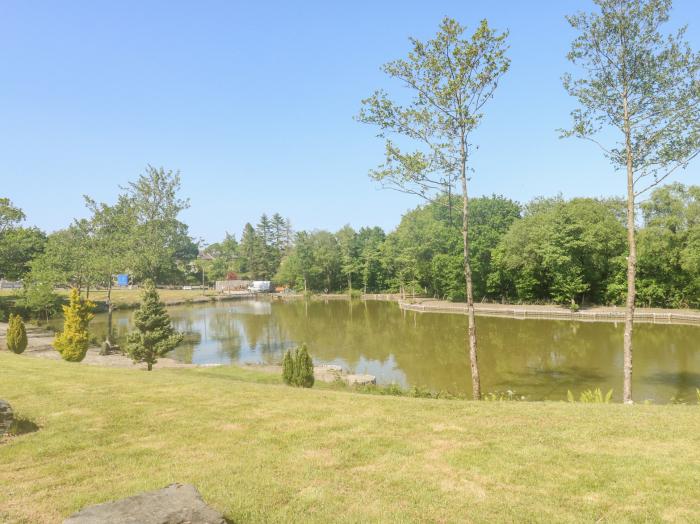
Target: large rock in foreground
column 175, row 504
column 6, row 416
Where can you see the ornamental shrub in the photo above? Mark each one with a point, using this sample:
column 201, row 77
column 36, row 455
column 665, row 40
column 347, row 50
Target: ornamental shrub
column 72, row 343
column 16, row 335
column 288, row 367
column 298, row 368
column 154, row 335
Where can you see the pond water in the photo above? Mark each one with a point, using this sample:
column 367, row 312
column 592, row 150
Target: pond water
column 540, row 359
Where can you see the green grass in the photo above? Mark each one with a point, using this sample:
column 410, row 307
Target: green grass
column 262, row 452
column 124, row 297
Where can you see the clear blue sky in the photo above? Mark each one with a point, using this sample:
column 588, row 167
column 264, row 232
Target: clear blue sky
column 253, row 103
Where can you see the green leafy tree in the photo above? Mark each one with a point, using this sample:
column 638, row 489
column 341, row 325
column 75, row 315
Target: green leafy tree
column 348, row 244
column 40, row 299
column 225, row 255
column 669, row 251
column 112, row 229
column 18, row 247
column 639, row 99
column 154, row 336
column 72, row 343
column 161, row 247
column 10, row 215
column 560, row 250
column 452, row 79
column 16, row 336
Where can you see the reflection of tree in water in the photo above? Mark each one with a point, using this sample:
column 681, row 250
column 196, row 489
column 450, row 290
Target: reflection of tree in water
column 677, row 371
column 223, row 327
column 544, row 358
column 538, row 358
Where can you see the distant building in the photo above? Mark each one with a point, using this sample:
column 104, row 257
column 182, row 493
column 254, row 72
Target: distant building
column 228, row 286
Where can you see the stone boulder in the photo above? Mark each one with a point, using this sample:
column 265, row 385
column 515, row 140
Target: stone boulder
column 6, row 416
column 174, row 504
column 327, row 372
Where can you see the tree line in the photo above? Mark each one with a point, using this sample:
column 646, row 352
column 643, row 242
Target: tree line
column 638, row 94
column 549, row 250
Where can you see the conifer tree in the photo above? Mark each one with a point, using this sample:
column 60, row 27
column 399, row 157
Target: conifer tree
column 288, row 367
column 304, row 368
column 298, row 368
column 16, row 335
column 72, row 342
column 154, row 335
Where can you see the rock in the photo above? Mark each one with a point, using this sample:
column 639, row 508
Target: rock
column 174, row 504
column 6, row 416
column 360, row 380
column 326, row 368
column 327, row 372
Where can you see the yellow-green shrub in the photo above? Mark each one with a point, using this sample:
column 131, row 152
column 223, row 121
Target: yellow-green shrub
column 72, row 342
column 16, row 335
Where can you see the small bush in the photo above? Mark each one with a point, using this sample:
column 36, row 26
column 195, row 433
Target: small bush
column 590, row 396
column 288, row 367
column 16, row 335
column 298, row 368
column 72, row 343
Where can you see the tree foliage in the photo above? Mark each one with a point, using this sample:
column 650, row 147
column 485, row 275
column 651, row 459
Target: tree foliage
column 72, row 343
column 16, row 337
column 298, row 368
column 154, row 336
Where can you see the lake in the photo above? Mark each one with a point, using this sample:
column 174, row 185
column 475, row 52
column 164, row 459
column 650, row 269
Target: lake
column 540, row 359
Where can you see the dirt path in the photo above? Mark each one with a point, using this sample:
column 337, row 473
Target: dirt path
column 40, row 345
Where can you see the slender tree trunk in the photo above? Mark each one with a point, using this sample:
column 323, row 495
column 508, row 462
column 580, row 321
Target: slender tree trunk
column 150, row 366
column 109, row 313
column 471, row 331
column 631, row 262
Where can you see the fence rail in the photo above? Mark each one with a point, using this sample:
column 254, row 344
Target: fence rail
column 689, row 317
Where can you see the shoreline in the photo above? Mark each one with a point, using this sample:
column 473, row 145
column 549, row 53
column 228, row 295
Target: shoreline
column 554, row 312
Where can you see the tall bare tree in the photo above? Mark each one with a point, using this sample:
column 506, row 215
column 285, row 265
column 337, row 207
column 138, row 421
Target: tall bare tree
column 451, row 79
column 639, row 96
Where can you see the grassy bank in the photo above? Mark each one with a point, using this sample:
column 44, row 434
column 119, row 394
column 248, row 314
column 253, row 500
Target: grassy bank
column 263, row 452
column 128, row 298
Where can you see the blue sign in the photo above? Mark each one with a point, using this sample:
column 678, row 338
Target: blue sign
column 122, row 280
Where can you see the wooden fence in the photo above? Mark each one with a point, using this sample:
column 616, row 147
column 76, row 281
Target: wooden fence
column 523, row 312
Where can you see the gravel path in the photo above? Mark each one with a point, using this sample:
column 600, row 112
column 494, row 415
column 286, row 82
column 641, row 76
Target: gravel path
column 40, row 345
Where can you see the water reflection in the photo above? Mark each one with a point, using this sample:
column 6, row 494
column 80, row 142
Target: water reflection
column 537, row 358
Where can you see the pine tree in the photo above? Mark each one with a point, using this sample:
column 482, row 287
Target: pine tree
column 298, row 368
column 72, row 342
column 304, row 368
column 155, row 335
column 288, row 366
column 16, row 335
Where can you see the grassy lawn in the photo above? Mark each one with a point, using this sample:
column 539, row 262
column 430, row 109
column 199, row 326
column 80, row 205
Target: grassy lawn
column 126, row 297
column 262, row 452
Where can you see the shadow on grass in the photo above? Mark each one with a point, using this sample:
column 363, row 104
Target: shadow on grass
column 22, row 426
